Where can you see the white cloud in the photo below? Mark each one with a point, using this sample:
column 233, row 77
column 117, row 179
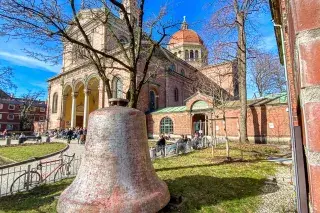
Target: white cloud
column 28, row 61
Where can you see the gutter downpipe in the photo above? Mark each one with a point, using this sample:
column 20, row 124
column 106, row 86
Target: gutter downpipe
column 292, row 128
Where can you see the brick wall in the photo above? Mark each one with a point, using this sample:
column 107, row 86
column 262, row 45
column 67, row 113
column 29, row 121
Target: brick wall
column 264, row 123
column 10, row 114
column 306, row 23
column 301, row 24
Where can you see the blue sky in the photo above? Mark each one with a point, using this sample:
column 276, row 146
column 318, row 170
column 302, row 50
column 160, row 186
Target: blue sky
column 33, row 74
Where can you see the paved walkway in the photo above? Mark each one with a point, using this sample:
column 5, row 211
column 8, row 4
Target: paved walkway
column 7, row 176
column 74, row 147
column 278, row 194
column 283, row 161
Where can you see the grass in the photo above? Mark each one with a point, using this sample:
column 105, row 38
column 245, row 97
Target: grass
column 40, row 199
column 208, row 184
column 213, row 185
column 25, row 152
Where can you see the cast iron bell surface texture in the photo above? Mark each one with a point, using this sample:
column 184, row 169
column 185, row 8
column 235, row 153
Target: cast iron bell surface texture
column 116, row 174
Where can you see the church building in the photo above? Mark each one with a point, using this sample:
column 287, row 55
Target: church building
column 184, row 81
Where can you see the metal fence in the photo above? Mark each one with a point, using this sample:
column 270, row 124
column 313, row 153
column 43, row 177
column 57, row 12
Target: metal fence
column 27, row 176
column 180, row 148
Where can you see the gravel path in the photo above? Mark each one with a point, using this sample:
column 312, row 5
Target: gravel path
column 278, row 195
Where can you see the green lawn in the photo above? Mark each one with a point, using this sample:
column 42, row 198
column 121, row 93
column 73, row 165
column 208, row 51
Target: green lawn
column 208, row 184
column 27, row 151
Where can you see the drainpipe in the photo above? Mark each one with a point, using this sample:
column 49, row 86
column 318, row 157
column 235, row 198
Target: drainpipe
column 301, row 207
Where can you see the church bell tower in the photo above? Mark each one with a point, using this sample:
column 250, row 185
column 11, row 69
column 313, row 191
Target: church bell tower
column 132, row 10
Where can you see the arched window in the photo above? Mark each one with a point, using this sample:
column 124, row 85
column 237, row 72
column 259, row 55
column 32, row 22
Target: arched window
column 172, row 68
column 179, row 53
column 176, row 94
column 182, row 72
column 186, row 54
column 191, row 54
column 55, row 103
column 175, row 53
column 117, row 88
column 166, row 126
column 196, row 54
column 152, row 100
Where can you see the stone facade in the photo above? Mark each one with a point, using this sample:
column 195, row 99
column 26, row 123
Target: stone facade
column 78, row 90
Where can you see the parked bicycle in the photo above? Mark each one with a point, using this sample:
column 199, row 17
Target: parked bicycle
column 37, row 175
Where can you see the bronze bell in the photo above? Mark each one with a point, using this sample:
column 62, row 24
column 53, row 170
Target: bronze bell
column 116, row 174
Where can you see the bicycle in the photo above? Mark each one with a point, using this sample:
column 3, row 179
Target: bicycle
column 36, row 176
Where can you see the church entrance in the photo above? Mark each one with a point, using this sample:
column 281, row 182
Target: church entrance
column 198, row 124
column 79, row 121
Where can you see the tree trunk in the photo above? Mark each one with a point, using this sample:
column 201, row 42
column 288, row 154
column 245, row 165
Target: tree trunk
column 226, row 137
column 241, row 59
column 133, row 99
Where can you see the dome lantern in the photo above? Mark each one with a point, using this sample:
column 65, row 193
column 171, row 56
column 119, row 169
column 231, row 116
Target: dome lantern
column 188, row 45
column 184, row 25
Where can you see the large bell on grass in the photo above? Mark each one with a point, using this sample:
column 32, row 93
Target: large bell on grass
column 116, row 174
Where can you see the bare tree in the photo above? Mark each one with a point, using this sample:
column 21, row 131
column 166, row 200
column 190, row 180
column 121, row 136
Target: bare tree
column 27, row 103
column 267, row 74
column 232, row 19
column 220, row 101
column 6, row 76
column 219, row 87
column 46, row 22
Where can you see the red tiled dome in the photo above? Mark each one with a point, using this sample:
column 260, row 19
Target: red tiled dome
column 185, row 36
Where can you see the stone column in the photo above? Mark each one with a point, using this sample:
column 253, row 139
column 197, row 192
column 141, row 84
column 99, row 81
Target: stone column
column 86, row 107
column 205, row 125
column 63, row 111
column 73, row 109
column 101, row 95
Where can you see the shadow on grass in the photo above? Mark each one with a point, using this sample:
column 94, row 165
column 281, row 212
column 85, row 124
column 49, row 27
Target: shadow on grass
column 207, row 192
column 200, row 192
column 42, row 196
column 223, row 162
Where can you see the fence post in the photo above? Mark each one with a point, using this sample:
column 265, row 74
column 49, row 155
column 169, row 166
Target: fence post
column 177, row 148
column 28, row 176
column 8, row 141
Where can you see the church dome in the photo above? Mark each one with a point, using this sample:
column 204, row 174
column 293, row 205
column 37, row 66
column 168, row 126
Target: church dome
column 185, row 35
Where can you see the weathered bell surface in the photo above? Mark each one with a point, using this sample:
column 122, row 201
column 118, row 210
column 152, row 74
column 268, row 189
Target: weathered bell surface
column 116, row 174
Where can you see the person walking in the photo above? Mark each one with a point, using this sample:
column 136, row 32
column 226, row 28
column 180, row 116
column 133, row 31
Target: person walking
column 181, row 144
column 22, row 138
column 161, row 145
column 5, row 133
column 79, row 135
column 38, row 136
column 84, row 136
column 48, row 138
column 69, row 135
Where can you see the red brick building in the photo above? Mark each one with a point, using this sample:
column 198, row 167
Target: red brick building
column 297, row 26
column 268, row 120
column 10, row 112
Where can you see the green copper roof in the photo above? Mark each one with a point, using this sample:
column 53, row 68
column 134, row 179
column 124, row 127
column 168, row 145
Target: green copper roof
column 170, row 109
column 273, row 99
column 200, row 105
